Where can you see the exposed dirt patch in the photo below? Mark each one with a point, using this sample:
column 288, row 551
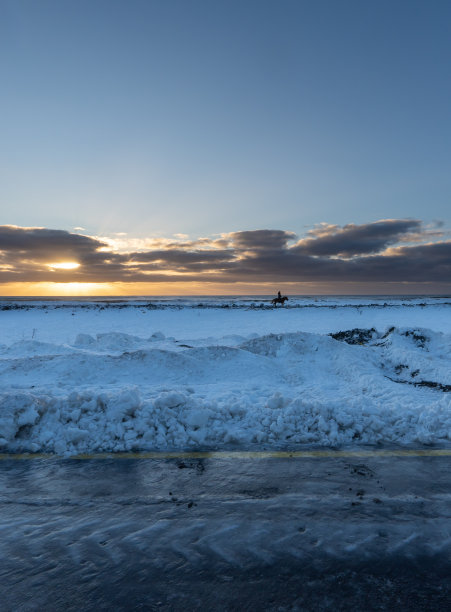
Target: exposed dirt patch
column 355, row 336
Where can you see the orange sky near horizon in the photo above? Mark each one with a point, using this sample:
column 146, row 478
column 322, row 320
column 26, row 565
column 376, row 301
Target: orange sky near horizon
column 187, row 289
column 388, row 256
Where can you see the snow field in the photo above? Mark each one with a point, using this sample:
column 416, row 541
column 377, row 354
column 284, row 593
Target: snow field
column 119, row 391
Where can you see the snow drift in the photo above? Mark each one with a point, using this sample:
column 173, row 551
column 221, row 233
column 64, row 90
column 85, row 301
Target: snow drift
column 118, row 392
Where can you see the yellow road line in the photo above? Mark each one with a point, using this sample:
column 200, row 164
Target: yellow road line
column 303, row 454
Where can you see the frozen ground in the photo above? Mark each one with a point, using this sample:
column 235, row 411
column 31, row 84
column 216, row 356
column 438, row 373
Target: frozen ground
column 113, row 376
column 342, row 533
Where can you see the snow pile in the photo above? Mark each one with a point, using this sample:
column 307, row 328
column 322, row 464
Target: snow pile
column 117, row 391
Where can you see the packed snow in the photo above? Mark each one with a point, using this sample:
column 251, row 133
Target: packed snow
column 223, row 372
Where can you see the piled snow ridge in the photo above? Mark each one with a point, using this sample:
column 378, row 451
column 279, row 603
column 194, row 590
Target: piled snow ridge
column 118, row 392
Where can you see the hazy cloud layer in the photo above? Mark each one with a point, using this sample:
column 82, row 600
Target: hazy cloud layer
column 390, row 250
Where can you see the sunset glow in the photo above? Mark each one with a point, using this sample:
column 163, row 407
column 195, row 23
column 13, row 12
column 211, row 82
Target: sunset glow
column 295, row 157
column 64, row 265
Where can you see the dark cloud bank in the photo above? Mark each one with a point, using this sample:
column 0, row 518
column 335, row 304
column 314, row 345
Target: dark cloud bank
column 393, row 250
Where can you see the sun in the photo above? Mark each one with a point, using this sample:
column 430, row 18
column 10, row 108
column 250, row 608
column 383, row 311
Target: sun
column 64, row 265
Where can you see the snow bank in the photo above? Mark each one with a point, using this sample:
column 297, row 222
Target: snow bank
column 117, row 391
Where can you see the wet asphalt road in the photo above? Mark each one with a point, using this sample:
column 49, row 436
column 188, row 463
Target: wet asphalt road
column 341, row 533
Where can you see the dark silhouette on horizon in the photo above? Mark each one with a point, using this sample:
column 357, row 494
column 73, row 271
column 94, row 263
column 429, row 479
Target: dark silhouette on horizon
column 280, row 299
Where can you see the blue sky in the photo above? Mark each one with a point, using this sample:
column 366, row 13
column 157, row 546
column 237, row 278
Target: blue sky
column 208, row 117
column 204, row 117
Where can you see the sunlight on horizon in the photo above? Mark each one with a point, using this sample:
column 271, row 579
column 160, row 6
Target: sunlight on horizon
column 111, row 289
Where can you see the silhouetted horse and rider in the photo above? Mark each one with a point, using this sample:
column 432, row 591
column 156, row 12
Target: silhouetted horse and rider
column 280, row 299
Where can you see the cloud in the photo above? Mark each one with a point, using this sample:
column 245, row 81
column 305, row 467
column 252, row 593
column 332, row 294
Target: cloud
column 352, row 240
column 390, row 250
column 261, row 240
column 40, row 243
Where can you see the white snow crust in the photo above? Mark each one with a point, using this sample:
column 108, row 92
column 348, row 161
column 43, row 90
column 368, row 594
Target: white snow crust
column 78, row 377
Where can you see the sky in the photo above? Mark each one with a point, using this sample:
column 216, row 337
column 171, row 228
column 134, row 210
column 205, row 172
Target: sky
column 213, row 146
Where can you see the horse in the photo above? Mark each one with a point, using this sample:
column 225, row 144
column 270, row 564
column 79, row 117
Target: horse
column 279, row 300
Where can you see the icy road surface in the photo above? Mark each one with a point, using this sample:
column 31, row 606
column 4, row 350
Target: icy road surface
column 340, row 533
